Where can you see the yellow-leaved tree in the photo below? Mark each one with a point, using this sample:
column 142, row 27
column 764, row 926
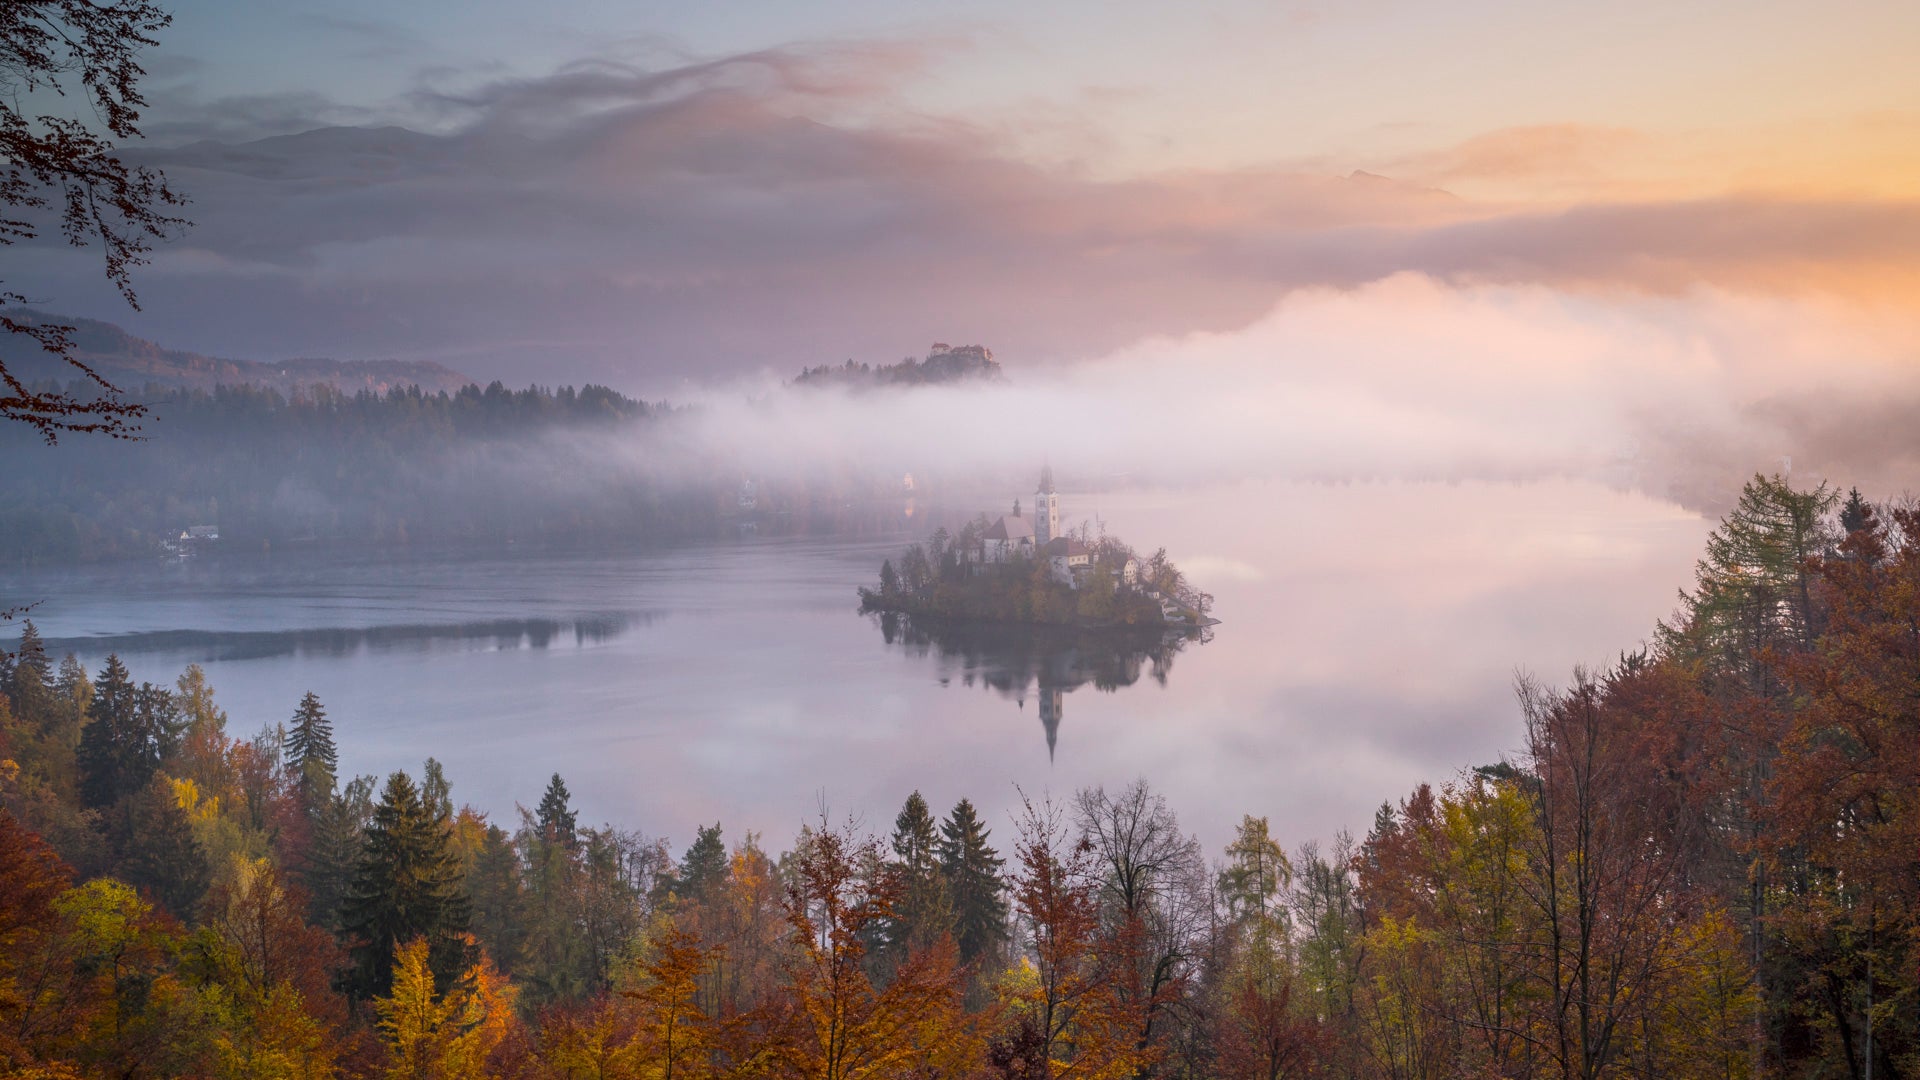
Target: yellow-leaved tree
column 432, row 1036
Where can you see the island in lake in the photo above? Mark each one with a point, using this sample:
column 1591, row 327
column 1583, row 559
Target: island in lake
column 1029, row 571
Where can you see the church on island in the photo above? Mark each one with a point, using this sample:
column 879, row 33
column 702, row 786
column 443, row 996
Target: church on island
column 1013, row 537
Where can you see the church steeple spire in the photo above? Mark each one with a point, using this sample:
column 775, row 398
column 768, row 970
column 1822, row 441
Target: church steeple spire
column 1046, row 509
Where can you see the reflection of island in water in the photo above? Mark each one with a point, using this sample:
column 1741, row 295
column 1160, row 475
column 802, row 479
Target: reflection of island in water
column 1013, row 658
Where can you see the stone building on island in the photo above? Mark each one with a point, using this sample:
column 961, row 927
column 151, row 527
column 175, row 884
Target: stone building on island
column 1014, row 537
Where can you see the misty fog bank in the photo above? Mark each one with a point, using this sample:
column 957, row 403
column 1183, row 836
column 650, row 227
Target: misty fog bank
column 1404, row 379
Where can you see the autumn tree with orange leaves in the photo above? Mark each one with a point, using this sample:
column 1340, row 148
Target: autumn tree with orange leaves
column 837, row 1024
column 1066, row 1017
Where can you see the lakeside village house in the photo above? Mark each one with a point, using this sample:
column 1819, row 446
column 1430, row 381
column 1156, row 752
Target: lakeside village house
column 1013, row 536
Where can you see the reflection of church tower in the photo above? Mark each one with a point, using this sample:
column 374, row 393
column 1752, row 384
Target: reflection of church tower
column 1050, row 715
column 1046, row 509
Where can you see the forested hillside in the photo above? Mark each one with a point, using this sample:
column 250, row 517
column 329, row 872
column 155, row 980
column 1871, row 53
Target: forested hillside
column 943, row 364
column 1706, row 863
column 130, row 362
column 407, row 466
column 479, row 467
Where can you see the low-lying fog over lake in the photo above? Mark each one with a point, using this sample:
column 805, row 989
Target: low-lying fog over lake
column 1369, row 639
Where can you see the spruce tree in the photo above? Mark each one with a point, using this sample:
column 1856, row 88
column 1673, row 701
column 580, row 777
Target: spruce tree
column 972, row 871
column 408, row 886
column 1856, row 513
column 112, row 761
column 311, row 755
column 921, row 913
column 27, row 668
column 334, row 854
column 497, row 887
column 557, row 822
column 556, row 960
column 31, row 654
column 161, row 857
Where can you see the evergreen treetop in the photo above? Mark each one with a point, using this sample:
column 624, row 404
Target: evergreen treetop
column 408, row 885
column 113, row 759
column 32, row 654
column 972, row 870
column 922, row 911
column 704, row 866
column 557, row 821
column 310, row 750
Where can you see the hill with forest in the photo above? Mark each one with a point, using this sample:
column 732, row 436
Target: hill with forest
column 319, row 466
column 132, row 362
column 943, row 364
column 478, row 467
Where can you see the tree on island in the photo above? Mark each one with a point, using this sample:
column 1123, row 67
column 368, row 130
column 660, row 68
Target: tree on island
column 945, row 578
column 60, row 166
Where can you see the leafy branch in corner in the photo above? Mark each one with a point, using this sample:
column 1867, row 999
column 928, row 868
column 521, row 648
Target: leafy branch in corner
column 53, row 51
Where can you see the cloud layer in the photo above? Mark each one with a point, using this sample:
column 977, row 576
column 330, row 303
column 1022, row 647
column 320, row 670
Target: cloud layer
column 1409, row 378
column 764, row 211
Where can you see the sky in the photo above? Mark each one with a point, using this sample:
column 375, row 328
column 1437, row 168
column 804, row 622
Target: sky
column 659, row 196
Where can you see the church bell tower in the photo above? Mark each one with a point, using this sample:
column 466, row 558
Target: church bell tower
column 1046, row 508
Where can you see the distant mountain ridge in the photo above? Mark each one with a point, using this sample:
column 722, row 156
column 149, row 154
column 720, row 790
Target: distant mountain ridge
column 132, row 362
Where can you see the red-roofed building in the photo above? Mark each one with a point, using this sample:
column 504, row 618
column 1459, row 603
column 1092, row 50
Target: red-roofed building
column 1067, row 557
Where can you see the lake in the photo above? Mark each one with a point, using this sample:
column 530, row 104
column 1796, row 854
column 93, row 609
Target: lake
column 1370, row 635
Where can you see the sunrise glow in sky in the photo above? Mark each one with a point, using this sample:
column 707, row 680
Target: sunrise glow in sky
column 651, row 193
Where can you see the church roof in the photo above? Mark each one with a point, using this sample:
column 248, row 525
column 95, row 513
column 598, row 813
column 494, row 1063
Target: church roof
column 1008, row 528
column 1046, row 480
column 1065, row 545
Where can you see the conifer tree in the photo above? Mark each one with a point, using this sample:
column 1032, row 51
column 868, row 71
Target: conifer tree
column 72, row 682
column 557, row 965
column 334, row 853
column 113, row 762
column 1753, row 587
column 311, row 754
column 32, row 653
column 978, row 895
column 1855, row 514
column 558, row 824
column 436, row 794
column 495, row 882
column 704, row 867
column 922, row 914
column 162, row 858
column 408, row 886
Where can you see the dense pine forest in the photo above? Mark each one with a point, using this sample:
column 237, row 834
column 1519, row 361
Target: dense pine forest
column 1706, row 863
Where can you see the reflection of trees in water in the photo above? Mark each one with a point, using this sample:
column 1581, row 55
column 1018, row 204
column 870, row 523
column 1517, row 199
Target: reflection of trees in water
column 500, row 634
column 1013, row 659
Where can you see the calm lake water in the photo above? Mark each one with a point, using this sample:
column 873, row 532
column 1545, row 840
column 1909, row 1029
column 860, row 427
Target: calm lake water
column 1369, row 640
